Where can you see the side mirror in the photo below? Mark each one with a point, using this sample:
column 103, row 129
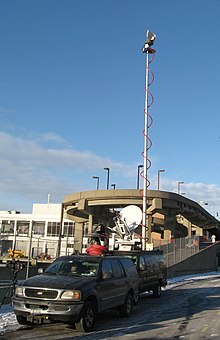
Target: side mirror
column 40, row 271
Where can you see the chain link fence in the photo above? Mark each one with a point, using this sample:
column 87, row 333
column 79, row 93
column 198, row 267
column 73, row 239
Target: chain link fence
column 178, row 249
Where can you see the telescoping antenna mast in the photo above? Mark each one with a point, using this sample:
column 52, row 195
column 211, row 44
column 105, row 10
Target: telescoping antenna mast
column 150, row 37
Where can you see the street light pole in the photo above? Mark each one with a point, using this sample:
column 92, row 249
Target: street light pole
column 60, row 231
column 29, row 248
column 108, row 170
column 178, row 187
column 158, row 179
column 97, row 184
column 113, row 185
column 138, row 175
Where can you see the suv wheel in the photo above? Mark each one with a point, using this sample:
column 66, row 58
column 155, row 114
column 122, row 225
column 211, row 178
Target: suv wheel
column 87, row 319
column 136, row 299
column 126, row 308
column 22, row 320
column 157, row 291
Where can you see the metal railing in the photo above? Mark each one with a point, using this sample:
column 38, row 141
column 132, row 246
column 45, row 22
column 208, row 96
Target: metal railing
column 178, row 249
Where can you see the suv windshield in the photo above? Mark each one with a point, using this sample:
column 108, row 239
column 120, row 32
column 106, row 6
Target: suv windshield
column 74, row 267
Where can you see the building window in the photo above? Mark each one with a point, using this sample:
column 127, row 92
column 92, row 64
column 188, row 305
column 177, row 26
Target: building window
column 69, row 229
column 39, row 228
column 53, row 229
column 8, row 227
column 70, row 245
column 23, row 227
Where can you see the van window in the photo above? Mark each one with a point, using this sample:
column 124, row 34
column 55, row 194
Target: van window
column 142, row 263
column 53, row 268
column 106, row 267
column 117, row 269
column 129, row 268
column 151, row 264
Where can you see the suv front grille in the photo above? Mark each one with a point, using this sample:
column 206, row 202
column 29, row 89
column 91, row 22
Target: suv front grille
column 41, row 293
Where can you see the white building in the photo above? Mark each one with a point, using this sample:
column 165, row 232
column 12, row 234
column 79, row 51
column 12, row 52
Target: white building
column 36, row 233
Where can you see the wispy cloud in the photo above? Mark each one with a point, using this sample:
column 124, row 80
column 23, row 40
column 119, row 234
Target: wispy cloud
column 207, row 195
column 31, row 169
column 34, row 153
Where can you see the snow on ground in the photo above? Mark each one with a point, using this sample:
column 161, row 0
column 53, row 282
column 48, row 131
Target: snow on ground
column 175, row 281
column 9, row 323
column 8, row 320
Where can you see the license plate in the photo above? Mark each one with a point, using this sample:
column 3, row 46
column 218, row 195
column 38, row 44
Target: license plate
column 35, row 311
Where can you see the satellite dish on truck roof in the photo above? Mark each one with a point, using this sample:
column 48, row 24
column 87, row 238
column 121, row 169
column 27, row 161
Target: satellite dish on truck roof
column 132, row 215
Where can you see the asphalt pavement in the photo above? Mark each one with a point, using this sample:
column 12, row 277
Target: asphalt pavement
column 190, row 310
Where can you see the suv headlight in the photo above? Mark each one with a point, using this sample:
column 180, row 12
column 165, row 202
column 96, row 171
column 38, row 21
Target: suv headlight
column 71, row 295
column 19, row 291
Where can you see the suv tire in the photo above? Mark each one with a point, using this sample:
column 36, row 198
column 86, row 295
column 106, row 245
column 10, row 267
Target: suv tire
column 87, row 318
column 126, row 309
column 136, row 299
column 157, row 291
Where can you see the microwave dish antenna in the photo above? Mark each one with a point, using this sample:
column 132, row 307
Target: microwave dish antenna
column 132, row 216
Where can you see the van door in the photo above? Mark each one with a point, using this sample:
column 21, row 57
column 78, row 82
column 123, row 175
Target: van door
column 152, row 271
column 143, row 274
column 112, row 286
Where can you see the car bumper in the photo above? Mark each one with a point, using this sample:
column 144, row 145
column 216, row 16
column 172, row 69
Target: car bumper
column 60, row 311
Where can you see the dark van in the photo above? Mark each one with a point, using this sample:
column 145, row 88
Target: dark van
column 151, row 270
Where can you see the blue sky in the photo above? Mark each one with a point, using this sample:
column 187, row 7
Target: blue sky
column 72, row 78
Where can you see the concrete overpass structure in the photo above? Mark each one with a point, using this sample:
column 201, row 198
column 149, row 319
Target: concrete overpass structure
column 169, row 214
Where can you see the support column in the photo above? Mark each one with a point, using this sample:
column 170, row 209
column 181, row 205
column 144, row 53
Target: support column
column 167, row 235
column 90, row 224
column 78, row 236
column 169, row 226
column 188, row 225
column 199, row 231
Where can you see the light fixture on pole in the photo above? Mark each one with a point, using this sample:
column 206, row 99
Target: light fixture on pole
column 108, row 170
column 97, row 183
column 158, row 179
column 203, row 203
column 113, row 185
column 138, row 175
column 178, row 187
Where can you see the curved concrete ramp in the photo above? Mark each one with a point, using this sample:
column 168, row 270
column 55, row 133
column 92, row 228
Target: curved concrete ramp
column 166, row 208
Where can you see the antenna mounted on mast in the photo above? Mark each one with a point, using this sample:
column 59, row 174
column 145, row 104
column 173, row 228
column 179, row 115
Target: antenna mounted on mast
column 150, row 38
column 149, row 41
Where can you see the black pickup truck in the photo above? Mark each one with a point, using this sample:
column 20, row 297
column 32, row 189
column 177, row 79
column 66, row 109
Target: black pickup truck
column 151, row 270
